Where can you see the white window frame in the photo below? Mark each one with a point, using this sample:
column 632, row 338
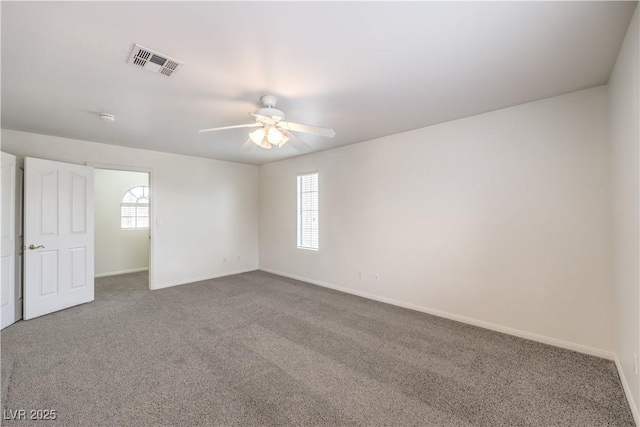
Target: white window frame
column 136, row 205
column 308, row 245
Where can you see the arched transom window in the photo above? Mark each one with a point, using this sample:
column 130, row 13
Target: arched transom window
column 134, row 209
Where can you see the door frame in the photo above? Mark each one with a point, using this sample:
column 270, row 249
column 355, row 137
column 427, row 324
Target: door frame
column 152, row 222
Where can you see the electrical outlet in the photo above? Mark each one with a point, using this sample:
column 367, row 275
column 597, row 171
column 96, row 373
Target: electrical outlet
column 359, row 274
column 377, row 276
column 635, row 363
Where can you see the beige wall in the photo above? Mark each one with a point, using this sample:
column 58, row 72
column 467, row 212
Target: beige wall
column 624, row 93
column 501, row 219
column 117, row 250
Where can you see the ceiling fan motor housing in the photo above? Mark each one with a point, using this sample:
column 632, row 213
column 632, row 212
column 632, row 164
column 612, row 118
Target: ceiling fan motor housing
column 269, row 100
column 270, row 112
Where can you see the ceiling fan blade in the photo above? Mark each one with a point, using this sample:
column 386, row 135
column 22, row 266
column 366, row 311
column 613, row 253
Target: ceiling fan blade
column 296, row 142
column 249, row 125
column 329, row 133
column 248, row 145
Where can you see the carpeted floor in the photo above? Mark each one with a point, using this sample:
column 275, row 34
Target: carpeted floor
column 258, row 349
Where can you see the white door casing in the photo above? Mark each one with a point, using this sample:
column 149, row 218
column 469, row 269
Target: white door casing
column 152, row 216
column 8, row 227
column 58, row 235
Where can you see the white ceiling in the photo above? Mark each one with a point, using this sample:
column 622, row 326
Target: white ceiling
column 365, row 69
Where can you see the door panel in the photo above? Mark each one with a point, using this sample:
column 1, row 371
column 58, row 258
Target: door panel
column 48, row 266
column 78, row 267
column 48, row 195
column 6, row 266
column 7, row 232
column 59, row 223
column 79, row 202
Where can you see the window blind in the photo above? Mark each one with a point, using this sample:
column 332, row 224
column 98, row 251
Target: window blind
column 308, row 211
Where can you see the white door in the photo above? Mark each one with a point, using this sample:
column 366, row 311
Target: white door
column 58, row 235
column 8, row 259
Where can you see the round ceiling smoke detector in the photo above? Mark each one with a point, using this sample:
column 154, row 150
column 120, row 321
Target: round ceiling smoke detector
column 107, row 117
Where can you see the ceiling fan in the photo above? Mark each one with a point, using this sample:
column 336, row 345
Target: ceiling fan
column 273, row 129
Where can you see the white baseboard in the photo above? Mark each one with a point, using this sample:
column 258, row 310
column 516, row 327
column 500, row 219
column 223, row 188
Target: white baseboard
column 504, row 329
column 201, row 278
column 627, row 392
column 117, row 273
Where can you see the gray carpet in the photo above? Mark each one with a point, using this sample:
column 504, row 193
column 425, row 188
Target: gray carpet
column 258, row 349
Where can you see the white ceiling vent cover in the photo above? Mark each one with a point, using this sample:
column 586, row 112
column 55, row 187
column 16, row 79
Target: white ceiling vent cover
column 153, row 61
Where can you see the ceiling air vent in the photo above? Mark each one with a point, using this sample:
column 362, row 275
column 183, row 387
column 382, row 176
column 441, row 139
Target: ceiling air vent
column 153, row 61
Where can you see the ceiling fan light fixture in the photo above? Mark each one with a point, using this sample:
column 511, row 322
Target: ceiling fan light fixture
column 272, row 129
column 267, row 137
column 284, row 139
column 257, row 136
column 274, row 136
column 265, row 144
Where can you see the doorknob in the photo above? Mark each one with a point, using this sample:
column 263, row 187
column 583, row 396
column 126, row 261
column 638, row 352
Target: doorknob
column 34, row 247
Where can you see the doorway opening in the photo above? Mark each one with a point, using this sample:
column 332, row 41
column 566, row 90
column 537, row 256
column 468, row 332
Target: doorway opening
column 122, row 214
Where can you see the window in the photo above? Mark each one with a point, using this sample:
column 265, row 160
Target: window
column 308, row 211
column 134, row 209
